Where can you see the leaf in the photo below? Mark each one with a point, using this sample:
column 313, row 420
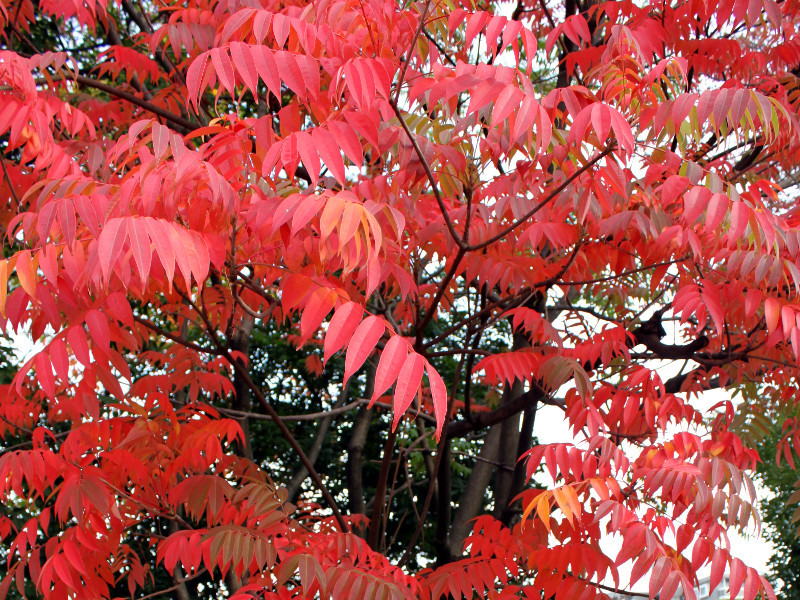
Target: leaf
column 98, row 330
column 139, row 239
column 309, row 155
column 159, row 236
column 326, row 145
column 223, row 67
column 3, row 286
column 344, row 322
column 109, row 245
column 719, row 562
column 661, row 569
column 25, row 272
column 44, row 374
column 772, row 313
column 348, row 141
column 294, row 289
column 738, row 570
column 319, row 304
column 717, row 208
column 350, row 220
column 543, row 509
column 267, row 69
column 439, row 398
column 408, row 381
column 245, row 64
column 361, row 345
column 196, row 77
column 393, row 358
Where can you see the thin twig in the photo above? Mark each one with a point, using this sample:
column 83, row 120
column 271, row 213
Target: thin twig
column 10, row 183
column 542, row 204
column 417, row 33
column 429, row 174
column 242, row 371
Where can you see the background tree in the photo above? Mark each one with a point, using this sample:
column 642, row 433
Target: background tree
column 303, row 275
column 778, row 527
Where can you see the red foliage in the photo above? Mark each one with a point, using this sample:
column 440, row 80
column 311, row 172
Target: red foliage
column 365, row 174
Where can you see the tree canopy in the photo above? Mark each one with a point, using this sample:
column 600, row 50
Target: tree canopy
column 302, row 274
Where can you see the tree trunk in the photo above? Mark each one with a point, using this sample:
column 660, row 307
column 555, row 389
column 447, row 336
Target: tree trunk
column 355, row 462
column 240, row 342
column 293, row 488
column 510, row 512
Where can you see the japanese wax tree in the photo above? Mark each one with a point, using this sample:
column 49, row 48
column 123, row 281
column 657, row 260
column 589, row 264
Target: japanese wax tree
column 300, row 276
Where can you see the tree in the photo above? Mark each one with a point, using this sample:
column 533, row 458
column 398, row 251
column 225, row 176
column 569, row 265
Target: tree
column 779, row 528
column 304, row 273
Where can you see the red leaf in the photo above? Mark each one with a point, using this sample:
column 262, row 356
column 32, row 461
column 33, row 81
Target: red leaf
column 195, row 77
column 319, row 304
column 224, row 69
column 244, row 63
column 738, row 572
column 309, row 155
column 662, row 568
column 59, row 358
column 718, row 563
column 267, row 69
column 98, row 329
column 772, row 313
column 76, row 337
column 341, row 328
column 438, row 396
column 717, row 207
column 362, row 344
column 44, row 374
column 392, row 360
column 140, row 244
column 291, row 74
column 325, row 144
column 407, row 385
column 157, row 233
column 348, row 141
column 752, row 584
column 293, row 291
column 110, row 243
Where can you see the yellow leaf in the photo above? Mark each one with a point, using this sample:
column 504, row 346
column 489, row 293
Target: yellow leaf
column 26, row 273
column 563, row 503
column 543, row 509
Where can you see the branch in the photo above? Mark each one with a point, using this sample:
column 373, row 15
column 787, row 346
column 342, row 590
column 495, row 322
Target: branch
column 625, row 273
column 10, row 183
column 133, row 99
column 291, row 439
column 273, row 414
column 429, row 174
column 417, row 33
column 175, row 338
column 181, row 581
column 380, row 491
column 319, row 415
column 541, row 204
column 184, row 124
column 506, row 411
column 439, row 293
